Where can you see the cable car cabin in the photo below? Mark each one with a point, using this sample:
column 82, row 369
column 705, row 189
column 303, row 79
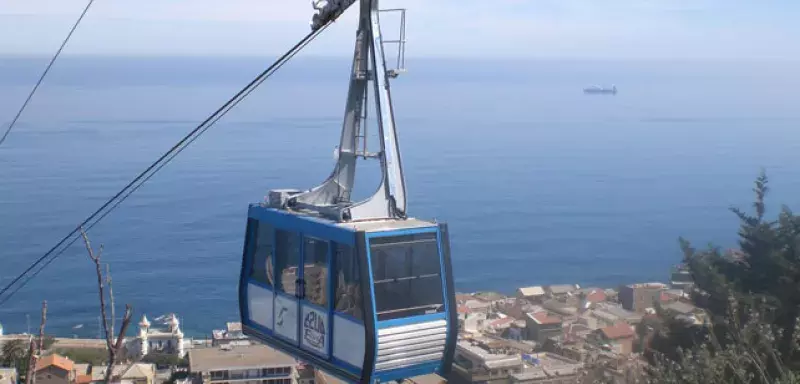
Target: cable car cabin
column 367, row 301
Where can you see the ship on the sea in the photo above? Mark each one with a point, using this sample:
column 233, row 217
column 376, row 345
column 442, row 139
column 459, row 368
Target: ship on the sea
column 595, row 89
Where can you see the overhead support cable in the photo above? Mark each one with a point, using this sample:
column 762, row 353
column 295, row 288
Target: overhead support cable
column 112, row 203
column 46, row 70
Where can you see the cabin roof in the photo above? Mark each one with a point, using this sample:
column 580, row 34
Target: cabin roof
column 353, row 226
column 386, row 225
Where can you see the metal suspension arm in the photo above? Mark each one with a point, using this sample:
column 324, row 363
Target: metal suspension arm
column 332, row 197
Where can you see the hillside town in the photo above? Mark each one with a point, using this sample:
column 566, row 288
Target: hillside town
column 540, row 334
column 563, row 333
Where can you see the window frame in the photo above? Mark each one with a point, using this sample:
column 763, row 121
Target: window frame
column 406, row 240
column 253, row 248
column 281, row 264
column 305, row 260
column 355, row 271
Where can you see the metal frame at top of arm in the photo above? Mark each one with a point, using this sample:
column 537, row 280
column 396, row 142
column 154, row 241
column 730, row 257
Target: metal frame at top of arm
column 332, row 198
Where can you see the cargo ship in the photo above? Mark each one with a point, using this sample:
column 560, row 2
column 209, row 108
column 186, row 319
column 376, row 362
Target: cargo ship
column 600, row 90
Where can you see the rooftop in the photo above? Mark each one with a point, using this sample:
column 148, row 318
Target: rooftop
column 561, row 288
column 55, row 360
column 653, row 285
column 504, row 322
column 237, row 357
column 135, row 371
column 617, row 311
column 596, row 296
column 544, row 318
column 234, row 326
column 531, row 291
column 488, row 358
column 476, row 304
column 617, row 331
column 680, row 307
column 425, row 379
column 489, row 296
column 548, row 365
column 462, row 297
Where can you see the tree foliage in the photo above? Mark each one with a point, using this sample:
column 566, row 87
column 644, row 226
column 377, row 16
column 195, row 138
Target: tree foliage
column 15, row 354
column 165, row 360
column 751, row 301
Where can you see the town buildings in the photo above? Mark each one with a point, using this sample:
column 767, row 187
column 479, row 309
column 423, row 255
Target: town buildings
column 169, row 340
column 639, row 297
column 242, row 364
column 57, row 369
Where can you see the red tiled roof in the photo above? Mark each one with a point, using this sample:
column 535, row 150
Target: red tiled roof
column 55, row 360
column 617, row 331
column 596, row 296
column 83, row 379
column 463, row 309
column 545, row 318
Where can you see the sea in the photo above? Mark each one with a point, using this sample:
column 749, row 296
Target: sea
column 539, row 182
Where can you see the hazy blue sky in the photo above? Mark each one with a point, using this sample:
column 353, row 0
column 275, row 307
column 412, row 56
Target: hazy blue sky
column 507, row 28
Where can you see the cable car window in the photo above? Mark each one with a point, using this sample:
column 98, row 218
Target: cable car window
column 347, row 275
column 315, row 271
column 287, row 261
column 262, row 257
column 407, row 275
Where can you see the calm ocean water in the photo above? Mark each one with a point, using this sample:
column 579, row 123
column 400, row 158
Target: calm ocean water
column 540, row 183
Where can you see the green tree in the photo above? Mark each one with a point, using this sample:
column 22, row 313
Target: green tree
column 15, row 354
column 48, row 342
column 163, row 359
column 751, row 299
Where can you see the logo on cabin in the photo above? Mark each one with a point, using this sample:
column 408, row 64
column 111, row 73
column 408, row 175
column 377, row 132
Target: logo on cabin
column 314, row 330
column 280, row 315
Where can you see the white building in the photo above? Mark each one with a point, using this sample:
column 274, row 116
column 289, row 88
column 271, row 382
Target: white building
column 157, row 340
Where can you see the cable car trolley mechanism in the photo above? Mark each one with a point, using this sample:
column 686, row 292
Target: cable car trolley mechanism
column 357, row 289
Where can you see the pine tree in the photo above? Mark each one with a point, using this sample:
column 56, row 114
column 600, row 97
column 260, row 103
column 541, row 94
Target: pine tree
column 751, row 299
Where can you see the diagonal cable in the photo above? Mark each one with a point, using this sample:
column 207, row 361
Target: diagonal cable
column 112, row 203
column 46, row 70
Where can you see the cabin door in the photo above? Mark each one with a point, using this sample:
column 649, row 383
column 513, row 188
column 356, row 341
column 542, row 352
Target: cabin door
column 288, row 284
column 315, row 297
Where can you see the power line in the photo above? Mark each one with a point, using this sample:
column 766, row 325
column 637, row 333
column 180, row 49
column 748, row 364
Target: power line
column 157, row 165
column 46, row 70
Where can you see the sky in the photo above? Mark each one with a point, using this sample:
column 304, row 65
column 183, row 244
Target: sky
column 599, row 29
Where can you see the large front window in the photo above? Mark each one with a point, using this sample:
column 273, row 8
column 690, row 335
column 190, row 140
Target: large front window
column 407, row 275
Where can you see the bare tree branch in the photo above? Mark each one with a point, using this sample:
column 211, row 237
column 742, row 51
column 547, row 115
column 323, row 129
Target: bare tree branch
column 114, row 346
column 29, row 377
column 41, row 329
column 111, row 296
column 34, row 352
column 96, row 260
column 126, row 320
